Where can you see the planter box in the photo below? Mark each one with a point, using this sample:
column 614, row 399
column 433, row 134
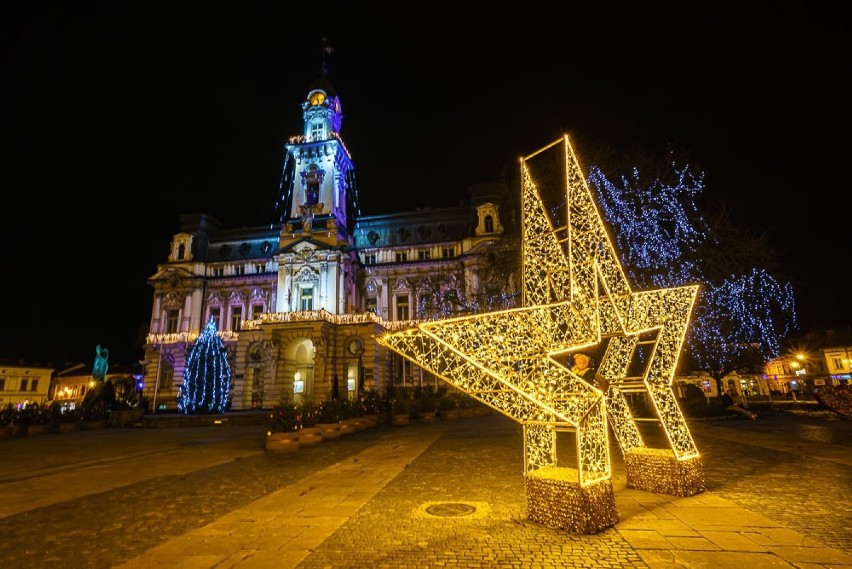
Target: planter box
column 282, row 442
column 400, row 420
column 426, row 417
column 310, row 436
column 449, row 415
column 329, row 430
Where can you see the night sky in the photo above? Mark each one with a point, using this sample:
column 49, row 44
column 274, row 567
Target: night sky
column 118, row 120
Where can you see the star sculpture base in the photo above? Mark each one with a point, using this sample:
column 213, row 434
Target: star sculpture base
column 657, row 470
column 556, row 499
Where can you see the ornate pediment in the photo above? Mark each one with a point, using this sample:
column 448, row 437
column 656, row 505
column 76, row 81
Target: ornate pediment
column 306, row 274
column 401, row 285
column 258, row 294
column 214, row 299
column 236, row 297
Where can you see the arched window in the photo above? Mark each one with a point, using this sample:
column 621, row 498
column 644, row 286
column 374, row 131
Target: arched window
column 489, row 224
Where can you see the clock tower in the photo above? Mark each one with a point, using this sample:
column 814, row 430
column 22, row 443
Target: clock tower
column 316, row 210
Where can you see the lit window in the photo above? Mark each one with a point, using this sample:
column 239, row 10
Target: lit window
column 236, row 317
column 172, row 321
column 306, row 298
column 298, row 383
column 316, row 131
column 402, row 307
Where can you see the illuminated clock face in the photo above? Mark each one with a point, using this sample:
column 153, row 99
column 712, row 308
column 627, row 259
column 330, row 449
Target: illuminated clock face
column 317, row 99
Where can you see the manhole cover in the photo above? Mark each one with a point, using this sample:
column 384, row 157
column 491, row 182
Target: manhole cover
column 450, row 509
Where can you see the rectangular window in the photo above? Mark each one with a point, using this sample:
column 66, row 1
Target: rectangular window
column 218, row 271
column 372, row 305
column 172, row 321
column 423, row 255
column 448, row 252
column 24, row 383
column 259, row 267
column 401, row 257
column 837, row 363
column 236, row 317
column 34, row 385
column 316, row 131
column 256, row 311
column 239, row 269
column 306, row 299
column 3, row 384
column 215, row 314
column 370, row 259
column 402, row 307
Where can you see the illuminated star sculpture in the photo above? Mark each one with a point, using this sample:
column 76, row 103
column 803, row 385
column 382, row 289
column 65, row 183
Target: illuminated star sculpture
column 575, row 295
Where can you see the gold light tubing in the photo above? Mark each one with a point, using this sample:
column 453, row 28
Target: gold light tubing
column 575, row 295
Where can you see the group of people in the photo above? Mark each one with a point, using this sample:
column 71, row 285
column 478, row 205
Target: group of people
column 583, row 367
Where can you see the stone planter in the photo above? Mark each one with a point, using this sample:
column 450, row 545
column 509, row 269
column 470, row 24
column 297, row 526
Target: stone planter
column 329, row 431
column 94, row 424
column 371, row 420
column 347, row 426
column 282, row 442
column 310, row 436
column 426, row 417
column 360, row 423
column 400, row 419
column 449, row 415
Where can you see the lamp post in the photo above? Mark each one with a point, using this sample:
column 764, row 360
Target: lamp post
column 157, row 382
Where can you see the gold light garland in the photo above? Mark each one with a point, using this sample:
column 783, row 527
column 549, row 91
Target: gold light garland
column 575, row 295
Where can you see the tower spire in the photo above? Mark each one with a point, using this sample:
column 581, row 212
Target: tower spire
column 325, row 51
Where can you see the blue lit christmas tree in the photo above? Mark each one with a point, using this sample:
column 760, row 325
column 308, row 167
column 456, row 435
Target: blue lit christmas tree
column 207, row 378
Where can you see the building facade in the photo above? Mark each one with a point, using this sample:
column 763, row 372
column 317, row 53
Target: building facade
column 298, row 304
column 22, row 384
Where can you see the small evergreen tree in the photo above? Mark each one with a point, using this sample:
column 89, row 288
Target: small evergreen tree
column 207, row 378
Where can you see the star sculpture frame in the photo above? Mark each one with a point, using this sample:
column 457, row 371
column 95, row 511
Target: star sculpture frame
column 575, row 295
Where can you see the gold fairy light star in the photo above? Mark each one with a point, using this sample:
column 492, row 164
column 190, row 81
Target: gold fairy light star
column 575, row 295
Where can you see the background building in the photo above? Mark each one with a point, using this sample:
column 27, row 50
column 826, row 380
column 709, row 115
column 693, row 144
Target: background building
column 22, row 384
column 298, row 304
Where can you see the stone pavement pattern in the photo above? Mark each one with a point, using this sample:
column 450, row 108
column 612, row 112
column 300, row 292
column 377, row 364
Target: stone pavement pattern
column 363, row 501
